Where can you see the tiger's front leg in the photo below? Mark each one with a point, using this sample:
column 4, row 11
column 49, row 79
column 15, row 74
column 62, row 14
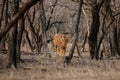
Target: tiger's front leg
column 62, row 53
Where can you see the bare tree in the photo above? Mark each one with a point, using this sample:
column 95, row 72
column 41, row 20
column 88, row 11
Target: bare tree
column 13, row 33
column 94, row 28
column 19, row 36
column 114, row 39
column 109, row 32
column 76, row 32
column 12, row 44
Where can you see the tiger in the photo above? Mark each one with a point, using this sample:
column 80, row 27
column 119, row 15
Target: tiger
column 59, row 44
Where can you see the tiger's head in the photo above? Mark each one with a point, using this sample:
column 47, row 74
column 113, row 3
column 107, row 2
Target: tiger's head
column 64, row 40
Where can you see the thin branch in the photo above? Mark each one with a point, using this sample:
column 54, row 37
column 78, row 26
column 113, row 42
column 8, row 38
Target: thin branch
column 116, row 14
column 31, row 25
column 56, row 22
column 27, row 37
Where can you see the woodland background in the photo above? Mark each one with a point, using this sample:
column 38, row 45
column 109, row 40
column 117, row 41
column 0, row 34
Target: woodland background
column 27, row 28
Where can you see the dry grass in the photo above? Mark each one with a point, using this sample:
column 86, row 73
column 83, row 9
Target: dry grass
column 38, row 67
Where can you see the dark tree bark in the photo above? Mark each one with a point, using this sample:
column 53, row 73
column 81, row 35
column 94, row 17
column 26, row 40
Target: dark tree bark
column 19, row 37
column 12, row 44
column 12, row 48
column 76, row 32
column 94, row 29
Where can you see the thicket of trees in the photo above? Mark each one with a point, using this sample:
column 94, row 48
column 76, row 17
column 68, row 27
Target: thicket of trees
column 33, row 23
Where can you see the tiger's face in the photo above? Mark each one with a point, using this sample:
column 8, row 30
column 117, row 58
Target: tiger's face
column 64, row 40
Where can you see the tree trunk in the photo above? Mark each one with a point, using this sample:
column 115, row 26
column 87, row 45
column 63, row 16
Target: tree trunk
column 114, row 41
column 12, row 44
column 76, row 32
column 94, row 30
column 12, row 48
column 44, row 36
column 19, row 37
column 114, row 33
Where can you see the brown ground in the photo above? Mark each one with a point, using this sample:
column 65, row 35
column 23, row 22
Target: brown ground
column 39, row 67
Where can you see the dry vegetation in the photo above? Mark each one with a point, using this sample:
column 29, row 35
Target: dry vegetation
column 39, row 67
column 60, row 16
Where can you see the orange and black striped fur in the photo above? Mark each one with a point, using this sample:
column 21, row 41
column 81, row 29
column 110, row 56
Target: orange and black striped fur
column 59, row 44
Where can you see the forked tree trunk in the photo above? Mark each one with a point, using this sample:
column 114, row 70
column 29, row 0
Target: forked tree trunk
column 13, row 34
column 114, row 41
column 94, row 29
